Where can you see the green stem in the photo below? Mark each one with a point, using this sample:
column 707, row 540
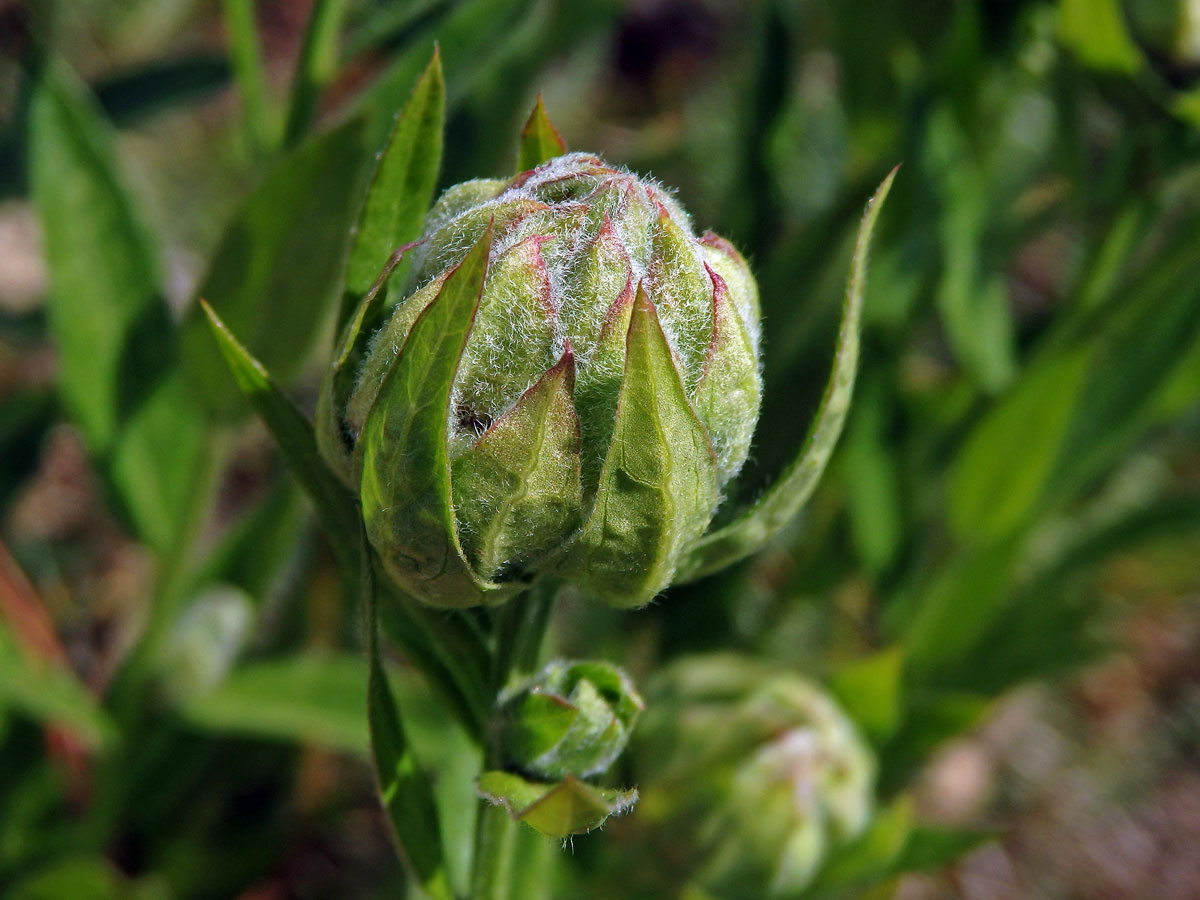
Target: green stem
column 129, row 693
column 249, row 71
column 495, row 843
column 521, row 628
column 317, row 65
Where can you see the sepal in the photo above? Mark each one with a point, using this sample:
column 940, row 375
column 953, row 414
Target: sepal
column 405, row 461
column 658, row 486
column 559, row 809
column 516, row 491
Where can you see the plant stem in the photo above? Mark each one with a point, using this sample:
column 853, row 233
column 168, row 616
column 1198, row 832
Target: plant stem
column 520, row 633
column 495, row 843
column 174, row 578
column 316, row 66
column 521, row 627
column 249, row 71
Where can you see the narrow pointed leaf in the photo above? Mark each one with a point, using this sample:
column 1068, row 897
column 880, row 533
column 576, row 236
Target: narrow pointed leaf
column 346, row 367
column 785, row 498
column 315, row 68
column 404, row 788
column 117, row 348
column 658, row 487
column 50, row 693
column 307, row 698
column 249, row 71
column 294, row 434
column 103, row 264
column 556, row 810
column 993, row 491
column 276, row 271
column 402, row 187
column 540, row 140
column 517, row 491
column 405, row 461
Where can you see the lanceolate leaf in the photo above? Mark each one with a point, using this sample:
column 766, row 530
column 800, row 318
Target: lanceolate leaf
column 993, row 490
column 443, row 648
column 784, row 499
column 49, row 693
column 316, row 66
column 405, row 460
column 306, row 698
column 277, row 268
column 405, row 789
column 559, row 809
column 294, row 434
column 402, row 186
column 105, row 306
column 540, row 140
column 118, row 374
column 346, row 368
column 658, row 487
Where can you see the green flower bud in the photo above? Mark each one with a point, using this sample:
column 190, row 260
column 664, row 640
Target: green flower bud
column 756, row 768
column 569, row 379
column 572, row 718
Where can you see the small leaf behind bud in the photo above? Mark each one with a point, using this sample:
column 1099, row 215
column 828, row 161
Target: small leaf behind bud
column 540, row 140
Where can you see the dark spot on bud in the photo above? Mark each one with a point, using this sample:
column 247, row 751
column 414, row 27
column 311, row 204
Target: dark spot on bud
column 472, row 420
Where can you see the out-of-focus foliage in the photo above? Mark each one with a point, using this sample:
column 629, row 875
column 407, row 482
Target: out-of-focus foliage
column 181, row 712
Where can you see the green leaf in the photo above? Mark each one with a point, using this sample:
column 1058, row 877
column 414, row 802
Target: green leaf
column 106, row 314
column 404, row 788
column 658, row 486
column 80, row 878
column 993, row 489
column 402, row 187
column 455, row 759
column 279, row 264
column 315, row 68
column 292, row 431
column 307, row 699
column 1150, row 332
column 540, row 140
column 1095, row 31
column 344, row 372
column 972, row 301
column 50, row 694
column 783, row 500
column 932, row 848
column 957, row 607
column 157, row 463
column 248, row 69
column 405, row 481
column 113, row 330
column 556, row 810
column 872, row 478
column 871, row 690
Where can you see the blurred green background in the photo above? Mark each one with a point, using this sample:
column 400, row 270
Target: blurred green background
column 997, row 578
